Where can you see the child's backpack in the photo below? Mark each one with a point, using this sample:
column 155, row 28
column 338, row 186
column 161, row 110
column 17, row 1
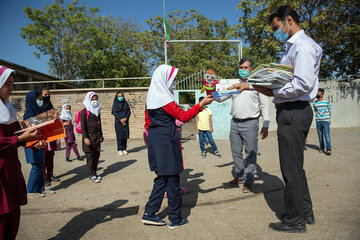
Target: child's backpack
column 78, row 120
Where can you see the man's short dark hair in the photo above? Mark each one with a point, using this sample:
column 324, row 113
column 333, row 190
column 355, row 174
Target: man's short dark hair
column 201, row 98
column 246, row 60
column 282, row 12
column 321, row 90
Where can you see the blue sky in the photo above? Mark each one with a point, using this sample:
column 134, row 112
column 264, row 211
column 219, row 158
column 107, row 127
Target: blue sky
column 15, row 49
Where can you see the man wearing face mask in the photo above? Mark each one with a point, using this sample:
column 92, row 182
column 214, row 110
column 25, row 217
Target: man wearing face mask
column 294, row 115
column 246, row 109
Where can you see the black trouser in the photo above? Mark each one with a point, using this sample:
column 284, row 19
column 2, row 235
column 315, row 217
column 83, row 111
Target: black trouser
column 121, row 144
column 92, row 159
column 170, row 184
column 294, row 120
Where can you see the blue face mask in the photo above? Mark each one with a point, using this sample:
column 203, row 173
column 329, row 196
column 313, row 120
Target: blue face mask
column 244, row 73
column 121, row 99
column 280, row 36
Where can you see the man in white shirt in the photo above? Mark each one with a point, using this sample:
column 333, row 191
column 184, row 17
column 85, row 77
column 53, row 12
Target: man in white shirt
column 294, row 116
column 246, row 109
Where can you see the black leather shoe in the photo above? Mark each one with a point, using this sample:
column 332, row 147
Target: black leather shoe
column 281, row 227
column 309, row 220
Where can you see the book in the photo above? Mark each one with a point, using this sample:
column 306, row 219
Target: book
column 271, row 75
column 50, row 125
column 223, row 93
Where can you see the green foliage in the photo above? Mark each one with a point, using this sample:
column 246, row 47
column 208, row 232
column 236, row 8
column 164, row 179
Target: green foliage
column 333, row 24
column 82, row 44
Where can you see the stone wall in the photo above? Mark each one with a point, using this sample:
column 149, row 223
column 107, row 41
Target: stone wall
column 135, row 97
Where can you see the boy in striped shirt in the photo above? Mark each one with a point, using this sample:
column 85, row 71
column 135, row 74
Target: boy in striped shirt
column 322, row 110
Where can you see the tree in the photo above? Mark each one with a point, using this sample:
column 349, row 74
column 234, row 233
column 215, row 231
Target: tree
column 192, row 57
column 333, row 24
column 82, row 44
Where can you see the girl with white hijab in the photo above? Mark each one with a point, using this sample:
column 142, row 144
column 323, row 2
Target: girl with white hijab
column 70, row 139
column 164, row 146
column 91, row 134
column 12, row 184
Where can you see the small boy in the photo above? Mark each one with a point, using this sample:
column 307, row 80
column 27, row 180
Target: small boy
column 204, row 129
column 322, row 110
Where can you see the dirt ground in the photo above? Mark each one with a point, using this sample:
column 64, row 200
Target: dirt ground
column 113, row 208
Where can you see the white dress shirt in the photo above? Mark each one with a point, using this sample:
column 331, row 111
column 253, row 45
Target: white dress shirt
column 304, row 54
column 249, row 104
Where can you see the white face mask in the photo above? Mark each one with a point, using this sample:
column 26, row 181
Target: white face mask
column 40, row 103
column 94, row 103
column 67, row 110
column 172, row 86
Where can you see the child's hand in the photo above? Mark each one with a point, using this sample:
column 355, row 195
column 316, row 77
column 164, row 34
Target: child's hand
column 206, row 101
column 29, row 134
column 40, row 144
column 211, row 130
column 197, row 131
column 101, row 139
column 87, row 141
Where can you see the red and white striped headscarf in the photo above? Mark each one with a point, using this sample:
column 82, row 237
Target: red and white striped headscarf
column 88, row 106
column 7, row 113
column 159, row 94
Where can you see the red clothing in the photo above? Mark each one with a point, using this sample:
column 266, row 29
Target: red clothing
column 175, row 111
column 12, row 183
column 212, row 86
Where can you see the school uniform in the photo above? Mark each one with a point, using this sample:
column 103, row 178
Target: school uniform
column 91, row 129
column 33, row 156
column 120, row 110
column 164, row 145
column 70, row 140
column 12, row 183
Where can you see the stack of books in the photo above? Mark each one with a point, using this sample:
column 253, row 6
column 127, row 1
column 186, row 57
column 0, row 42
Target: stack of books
column 271, row 75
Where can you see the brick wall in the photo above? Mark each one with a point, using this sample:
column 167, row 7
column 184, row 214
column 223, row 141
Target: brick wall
column 136, row 98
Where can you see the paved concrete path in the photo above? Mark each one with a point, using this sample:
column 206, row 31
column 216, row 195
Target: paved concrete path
column 113, row 208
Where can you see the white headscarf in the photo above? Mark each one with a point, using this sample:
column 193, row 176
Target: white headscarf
column 7, row 113
column 65, row 115
column 159, row 94
column 88, row 106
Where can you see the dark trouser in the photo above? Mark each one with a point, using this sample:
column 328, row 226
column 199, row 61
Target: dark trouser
column 294, row 120
column 48, row 164
column 171, row 185
column 121, row 144
column 92, row 159
column 9, row 225
column 70, row 146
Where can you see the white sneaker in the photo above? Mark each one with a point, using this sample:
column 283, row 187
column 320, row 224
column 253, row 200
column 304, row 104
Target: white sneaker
column 94, row 179
column 125, row 152
column 98, row 177
column 120, row 153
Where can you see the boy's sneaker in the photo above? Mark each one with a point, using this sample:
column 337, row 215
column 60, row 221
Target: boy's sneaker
column 98, row 177
column 68, row 160
column 203, row 154
column 182, row 223
column 54, row 179
column 328, row 152
column 94, row 179
column 125, row 152
column 218, row 154
column 155, row 220
column 120, row 153
column 80, row 158
column 321, row 150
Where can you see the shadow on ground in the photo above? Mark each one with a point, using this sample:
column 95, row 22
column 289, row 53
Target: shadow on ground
column 81, row 173
column 79, row 225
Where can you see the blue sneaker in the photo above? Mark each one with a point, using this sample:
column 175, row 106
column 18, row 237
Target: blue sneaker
column 152, row 220
column 182, row 223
